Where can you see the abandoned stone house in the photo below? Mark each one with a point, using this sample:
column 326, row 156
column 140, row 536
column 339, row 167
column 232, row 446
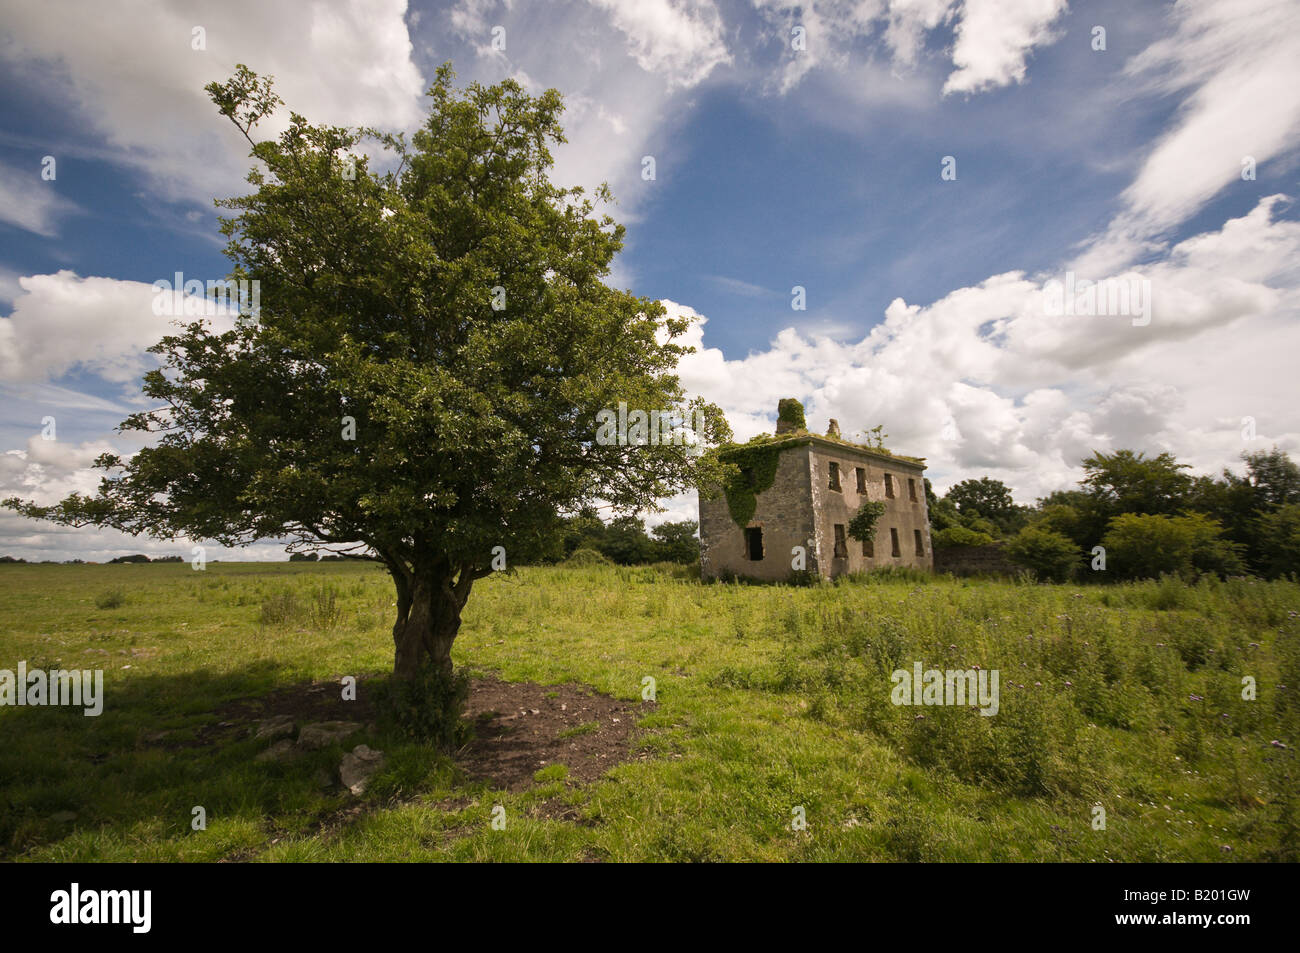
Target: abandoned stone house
column 801, row 490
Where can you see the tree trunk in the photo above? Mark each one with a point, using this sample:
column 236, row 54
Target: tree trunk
column 428, row 619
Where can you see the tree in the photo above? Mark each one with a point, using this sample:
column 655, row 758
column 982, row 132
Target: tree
column 422, row 380
column 1140, row 546
column 678, row 542
column 1274, row 476
column 625, row 541
column 1279, row 536
column 1050, row 555
column 987, row 497
column 943, row 514
column 1125, row 482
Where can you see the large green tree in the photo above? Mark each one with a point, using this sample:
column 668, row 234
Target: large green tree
column 422, row 381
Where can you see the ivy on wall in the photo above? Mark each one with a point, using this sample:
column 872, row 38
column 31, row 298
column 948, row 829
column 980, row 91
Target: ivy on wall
column 790, row 412
column 863, row 525
column 756, row 465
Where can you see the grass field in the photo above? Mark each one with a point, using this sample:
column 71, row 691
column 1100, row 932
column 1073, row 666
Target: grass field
column 769, row 699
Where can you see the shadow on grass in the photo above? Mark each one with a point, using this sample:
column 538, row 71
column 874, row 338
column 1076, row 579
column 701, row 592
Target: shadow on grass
column 125, row 784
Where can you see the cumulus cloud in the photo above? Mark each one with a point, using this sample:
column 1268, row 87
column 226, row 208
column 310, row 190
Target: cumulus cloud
column 994, row 39
column 62, row 322
column 987, row 380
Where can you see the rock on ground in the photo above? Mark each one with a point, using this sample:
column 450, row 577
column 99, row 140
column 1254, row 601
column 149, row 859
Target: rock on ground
column 322, row 734
column 358, row 766
column 275, row 727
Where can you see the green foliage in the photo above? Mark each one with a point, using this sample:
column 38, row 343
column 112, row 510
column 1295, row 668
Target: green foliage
column 1274, row 477
column 111, row 598
column 1279, row 540
column 1063, row 519
column 790, row 413
column 678, row 542
column 280, row 608
column 959, row 536
column 588, row 557
column 428, row 707
column 943, row 513
column 1144, row 546
column 1128, row 482
column 623, row 540
column 755, row 466
column 626, row 543
column 1050, row 555
column 978, row 524
column 986, row 497
column 862, row 526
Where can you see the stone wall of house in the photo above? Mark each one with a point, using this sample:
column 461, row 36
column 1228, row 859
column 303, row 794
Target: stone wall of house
column 974, row 560
column 906, row 518
column 783, row 514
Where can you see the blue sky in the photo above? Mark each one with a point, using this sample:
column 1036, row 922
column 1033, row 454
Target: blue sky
column 775, row 167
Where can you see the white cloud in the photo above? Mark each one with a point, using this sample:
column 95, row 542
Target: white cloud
column 995, row 37
column 624, row 70
column 31, row 203
column 681, row 40
column 1239, row 65
column 1030, row 394
column 62, row 322
column 135, row 80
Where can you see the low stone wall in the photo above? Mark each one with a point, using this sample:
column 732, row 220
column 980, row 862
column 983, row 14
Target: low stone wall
column 974, row 560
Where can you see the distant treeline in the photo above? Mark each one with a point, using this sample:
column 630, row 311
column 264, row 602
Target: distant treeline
column 137, row 558
column 1136, row 516
column 623, row 540
column 1133, row 516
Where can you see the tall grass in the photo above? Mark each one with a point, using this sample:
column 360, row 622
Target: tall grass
column 1133, row 697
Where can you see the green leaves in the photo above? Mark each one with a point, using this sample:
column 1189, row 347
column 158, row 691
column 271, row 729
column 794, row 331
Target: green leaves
column 244, row 98
column 862, row 526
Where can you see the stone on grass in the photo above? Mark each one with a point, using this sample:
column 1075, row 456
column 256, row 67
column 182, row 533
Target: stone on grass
column 280, row 751
column 358, row 766
column 275, row 727
column 325, row 733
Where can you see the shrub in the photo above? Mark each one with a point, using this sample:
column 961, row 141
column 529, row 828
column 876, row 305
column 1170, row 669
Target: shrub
column 588, row 557
column 978, row 524
column 1139, row 546
column 428, row 707
column 280, row 609
column 1279, row 540
column 110, row 599
column 325, row 612
column 959, row 536
column 1050, row 555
